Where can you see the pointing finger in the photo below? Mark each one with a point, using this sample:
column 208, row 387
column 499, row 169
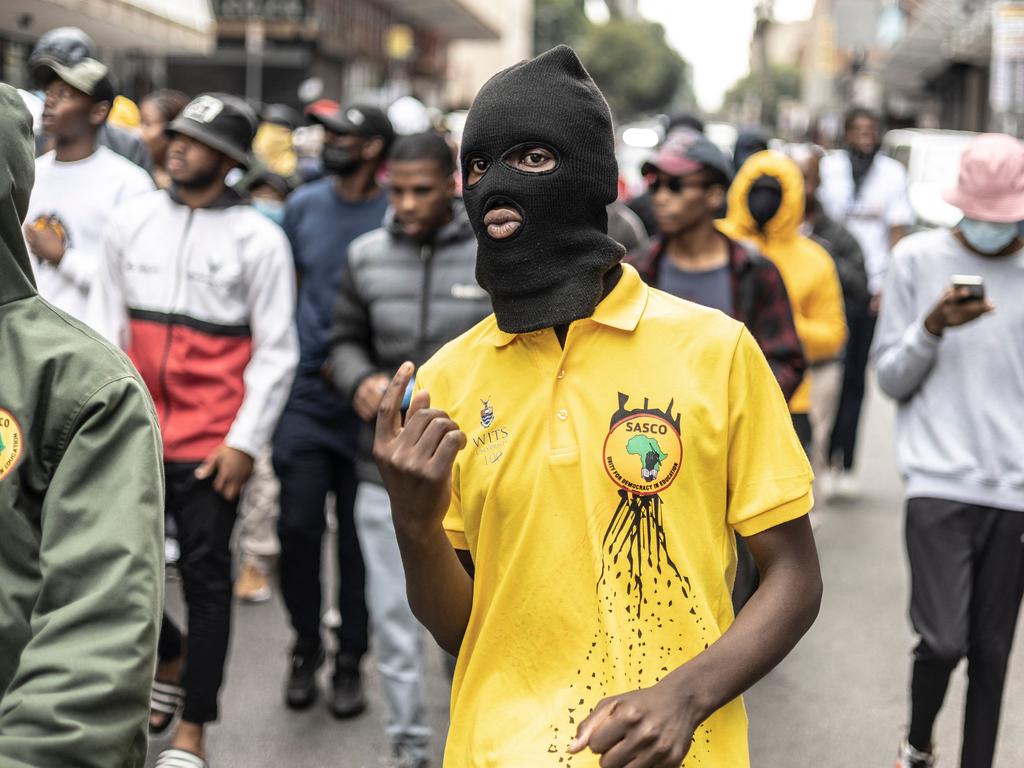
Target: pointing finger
column 389, row 415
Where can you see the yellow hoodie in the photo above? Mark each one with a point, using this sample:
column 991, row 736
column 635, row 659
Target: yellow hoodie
column 807, row 270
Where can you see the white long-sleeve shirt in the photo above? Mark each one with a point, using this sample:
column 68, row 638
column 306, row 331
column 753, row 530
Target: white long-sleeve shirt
column 80, row 195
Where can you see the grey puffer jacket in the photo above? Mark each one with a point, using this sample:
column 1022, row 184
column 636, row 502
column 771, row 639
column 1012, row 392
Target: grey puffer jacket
column 402, row 300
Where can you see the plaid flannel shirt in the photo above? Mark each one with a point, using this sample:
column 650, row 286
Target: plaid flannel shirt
column 759, row 301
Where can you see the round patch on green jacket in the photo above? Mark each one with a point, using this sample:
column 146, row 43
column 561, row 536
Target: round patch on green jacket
column 12, row 444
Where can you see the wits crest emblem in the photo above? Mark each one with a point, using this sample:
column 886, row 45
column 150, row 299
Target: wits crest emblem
column 486, row 414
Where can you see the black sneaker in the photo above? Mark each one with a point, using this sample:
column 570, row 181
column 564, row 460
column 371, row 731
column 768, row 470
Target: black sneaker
column 301, row 690
column 347, row 699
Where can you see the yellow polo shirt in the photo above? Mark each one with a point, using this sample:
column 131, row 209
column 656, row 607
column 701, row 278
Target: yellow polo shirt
column 598, row 496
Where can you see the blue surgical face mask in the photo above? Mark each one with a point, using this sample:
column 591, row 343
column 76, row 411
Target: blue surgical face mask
column 987, row 236
column 272, row 209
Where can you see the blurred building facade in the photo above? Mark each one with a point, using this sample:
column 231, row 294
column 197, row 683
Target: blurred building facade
column 339, row 49
column 134, row 36
column 472, row 62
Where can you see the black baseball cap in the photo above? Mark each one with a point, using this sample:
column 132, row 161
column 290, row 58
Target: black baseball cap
column 68, row 54
column 687, row 151
column 357, row 120
column 220, row 121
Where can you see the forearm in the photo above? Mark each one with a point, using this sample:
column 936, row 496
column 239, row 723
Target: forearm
column 439, row 589
column 904, row 365
column 780, row 612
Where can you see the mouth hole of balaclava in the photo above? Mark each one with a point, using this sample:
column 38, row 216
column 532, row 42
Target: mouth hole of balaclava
column 501, row 201
column 764, row 200
column 506, row 158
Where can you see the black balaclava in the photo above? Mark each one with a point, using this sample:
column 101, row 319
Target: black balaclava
column 860, row 164
column 560, row 263
column 764, row 200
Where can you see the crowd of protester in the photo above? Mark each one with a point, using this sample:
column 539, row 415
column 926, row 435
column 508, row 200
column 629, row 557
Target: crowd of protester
column 266, row 298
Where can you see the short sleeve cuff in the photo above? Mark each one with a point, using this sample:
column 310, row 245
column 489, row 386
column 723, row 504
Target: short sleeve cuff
column 457, row 539
column 791, row 510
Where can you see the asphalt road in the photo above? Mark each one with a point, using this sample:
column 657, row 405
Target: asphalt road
column 839, row 700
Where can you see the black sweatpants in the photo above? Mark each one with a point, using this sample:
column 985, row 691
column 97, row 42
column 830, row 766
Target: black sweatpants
column 967, row 580
column 308, row 468
column 843, row 442
column 204, row 521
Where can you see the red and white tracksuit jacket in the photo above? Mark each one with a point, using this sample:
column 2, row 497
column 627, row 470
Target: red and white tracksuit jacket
column 203, row 301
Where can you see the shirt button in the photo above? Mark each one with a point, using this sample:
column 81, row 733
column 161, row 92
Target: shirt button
column 561, row 374
column 563, row 414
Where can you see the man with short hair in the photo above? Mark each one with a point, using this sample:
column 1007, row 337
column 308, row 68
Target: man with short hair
column 574, row 544
column 315, row 443
column 950, row 351
column 81, row 516
column 78, row 182
column 865, row 191
column 409, row 288
column 199, row 288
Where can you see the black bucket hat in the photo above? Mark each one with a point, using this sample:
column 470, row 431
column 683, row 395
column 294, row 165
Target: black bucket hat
column 220, row 121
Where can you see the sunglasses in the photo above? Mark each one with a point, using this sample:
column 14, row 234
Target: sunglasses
column 675, row 185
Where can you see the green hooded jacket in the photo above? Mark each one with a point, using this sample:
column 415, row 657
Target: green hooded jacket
column 81, row 516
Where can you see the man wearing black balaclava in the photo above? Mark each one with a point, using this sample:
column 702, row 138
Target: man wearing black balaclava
column 569, row 473
column 315, row 444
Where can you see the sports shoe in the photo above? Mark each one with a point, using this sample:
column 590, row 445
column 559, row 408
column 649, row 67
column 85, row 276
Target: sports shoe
column 253, row 585
column 301, row 690
column 911, row 758
column 347, row 699
column 403, row 756
column 845, row 486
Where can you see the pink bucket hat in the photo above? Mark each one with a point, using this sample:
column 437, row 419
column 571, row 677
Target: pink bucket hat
column 991, row 184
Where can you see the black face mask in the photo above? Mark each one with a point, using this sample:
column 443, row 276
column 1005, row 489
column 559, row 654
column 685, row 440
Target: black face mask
column 860, row 164
column 764, row 200
column 339, row 161
column 560, row 263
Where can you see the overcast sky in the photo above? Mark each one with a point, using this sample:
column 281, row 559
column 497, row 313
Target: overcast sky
column 714, row 36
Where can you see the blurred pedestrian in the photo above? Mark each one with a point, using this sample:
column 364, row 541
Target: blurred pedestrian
column 72, row 46
column 273, row 145
column 316, row 442
column 749, row 141
column 950, row 351
column 156, row 111
column 642, row 205
column 694, row 261
column 410, row 287
column 81, row 555
column 586, row 593
column 626, row 228
column 78, row 182
column 199, row 288
column 766, row 208
column 124, row 114
column 259, row 505
column 849, row 260
column 865, row 191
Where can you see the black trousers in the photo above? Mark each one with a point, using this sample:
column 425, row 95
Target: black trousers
column 308, row 468
column 843, row 442
column 967, row 580
column 204, row 520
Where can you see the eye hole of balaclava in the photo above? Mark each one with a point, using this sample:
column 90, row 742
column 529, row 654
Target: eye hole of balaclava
column 764, row 200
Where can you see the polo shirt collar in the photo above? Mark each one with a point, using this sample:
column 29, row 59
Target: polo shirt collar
column 621, row 309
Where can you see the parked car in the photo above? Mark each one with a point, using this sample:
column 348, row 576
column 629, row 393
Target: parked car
column 932, row 160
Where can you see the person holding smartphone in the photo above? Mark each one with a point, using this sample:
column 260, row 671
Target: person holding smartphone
column 955, row 364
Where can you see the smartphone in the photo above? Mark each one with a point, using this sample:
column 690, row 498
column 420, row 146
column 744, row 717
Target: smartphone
column 973, row 283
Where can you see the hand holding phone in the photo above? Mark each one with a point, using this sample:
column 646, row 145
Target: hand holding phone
column 969, row 288
column 962, row 303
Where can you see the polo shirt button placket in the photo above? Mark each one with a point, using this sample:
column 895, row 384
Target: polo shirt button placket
column 563, row 414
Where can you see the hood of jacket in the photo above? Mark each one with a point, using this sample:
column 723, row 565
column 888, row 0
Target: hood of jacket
column 17, row 173
column 456, row 230
column 784, row 226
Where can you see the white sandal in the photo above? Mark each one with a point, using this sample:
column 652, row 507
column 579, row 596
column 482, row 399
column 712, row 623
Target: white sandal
column 165, row 699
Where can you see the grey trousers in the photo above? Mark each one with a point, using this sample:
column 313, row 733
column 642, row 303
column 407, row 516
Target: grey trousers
column 258, row 511
column 397, row 635
column 967, row 580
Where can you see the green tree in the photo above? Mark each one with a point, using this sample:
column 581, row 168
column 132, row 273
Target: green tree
column 783, row 83
column 634, row 65
column 558, row 21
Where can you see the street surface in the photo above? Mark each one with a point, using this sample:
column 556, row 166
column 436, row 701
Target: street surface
column 837, row 701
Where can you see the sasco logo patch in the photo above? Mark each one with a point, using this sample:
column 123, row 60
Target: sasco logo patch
column 12, row 444
column 643, row 452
